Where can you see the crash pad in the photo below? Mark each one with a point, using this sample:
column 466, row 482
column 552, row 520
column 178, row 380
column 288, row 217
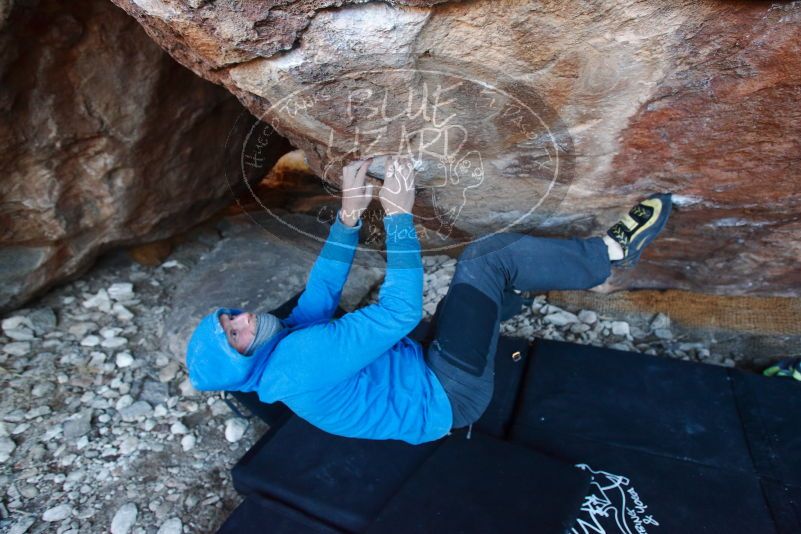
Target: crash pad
column 577, row 438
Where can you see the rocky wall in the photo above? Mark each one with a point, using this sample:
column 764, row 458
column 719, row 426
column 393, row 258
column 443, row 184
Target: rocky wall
column 554, row 117
column 104, row 141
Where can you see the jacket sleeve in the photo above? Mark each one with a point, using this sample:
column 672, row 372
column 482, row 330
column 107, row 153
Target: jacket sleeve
column 326, row 353
column 328, row 275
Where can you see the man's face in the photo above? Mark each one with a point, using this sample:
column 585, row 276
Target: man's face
column 240, row 329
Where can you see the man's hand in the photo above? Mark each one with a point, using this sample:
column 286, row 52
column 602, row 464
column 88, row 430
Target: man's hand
column 355, row 195
column 397, row 193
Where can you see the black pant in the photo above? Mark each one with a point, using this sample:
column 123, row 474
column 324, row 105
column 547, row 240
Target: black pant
column 467, row 321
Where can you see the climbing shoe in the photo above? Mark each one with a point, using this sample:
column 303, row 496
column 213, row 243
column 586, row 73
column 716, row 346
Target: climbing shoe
column 788, row 367
column 639, row 227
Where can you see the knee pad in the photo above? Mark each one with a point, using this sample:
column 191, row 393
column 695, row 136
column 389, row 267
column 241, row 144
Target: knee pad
column 466, row 327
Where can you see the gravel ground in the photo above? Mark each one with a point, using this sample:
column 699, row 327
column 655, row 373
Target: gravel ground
column 100, row 429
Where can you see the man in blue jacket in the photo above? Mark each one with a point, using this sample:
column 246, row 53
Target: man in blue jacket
column 360, row 375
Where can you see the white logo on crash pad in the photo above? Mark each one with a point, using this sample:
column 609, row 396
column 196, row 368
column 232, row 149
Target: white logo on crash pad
column 611, row 506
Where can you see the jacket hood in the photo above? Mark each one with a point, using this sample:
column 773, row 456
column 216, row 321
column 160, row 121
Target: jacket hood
column 215, row 365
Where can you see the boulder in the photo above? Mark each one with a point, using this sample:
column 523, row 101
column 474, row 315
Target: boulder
column 543, row 117
column 104, row 141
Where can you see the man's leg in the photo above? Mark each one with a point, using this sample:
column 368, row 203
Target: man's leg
column 462, row 354
column 468, row 318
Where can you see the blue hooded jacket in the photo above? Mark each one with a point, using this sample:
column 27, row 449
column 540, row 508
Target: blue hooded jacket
column 356, row 376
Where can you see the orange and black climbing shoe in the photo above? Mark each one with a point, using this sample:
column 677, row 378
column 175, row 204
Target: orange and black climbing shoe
column 639, row 227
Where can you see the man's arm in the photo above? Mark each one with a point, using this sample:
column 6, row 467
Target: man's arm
column 324, row 354
column 328, row 275
column 323, row 289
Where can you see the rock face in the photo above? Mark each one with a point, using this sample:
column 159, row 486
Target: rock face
column 554, row 117
column 104, row 141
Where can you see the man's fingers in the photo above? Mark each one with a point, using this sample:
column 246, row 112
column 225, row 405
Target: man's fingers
column 391, row 182
column 362, row 172
column 347, row 175
column 353, row 176
column 389, row 167
column 406, row 172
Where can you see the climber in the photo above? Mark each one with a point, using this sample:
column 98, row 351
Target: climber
column 360, row 375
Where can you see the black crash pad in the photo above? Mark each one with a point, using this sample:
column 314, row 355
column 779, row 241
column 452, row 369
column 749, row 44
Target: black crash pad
column 483, row 484
column 635, row 488
column 257, row 514
column 784, row 501
column 643, row 403
column 669, row 446
column 667, row 435
column 771, row 414
column 349, row 483
column 343, row 480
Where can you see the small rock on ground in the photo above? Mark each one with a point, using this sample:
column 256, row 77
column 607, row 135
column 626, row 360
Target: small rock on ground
column 57, row 513
column 124, row 519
